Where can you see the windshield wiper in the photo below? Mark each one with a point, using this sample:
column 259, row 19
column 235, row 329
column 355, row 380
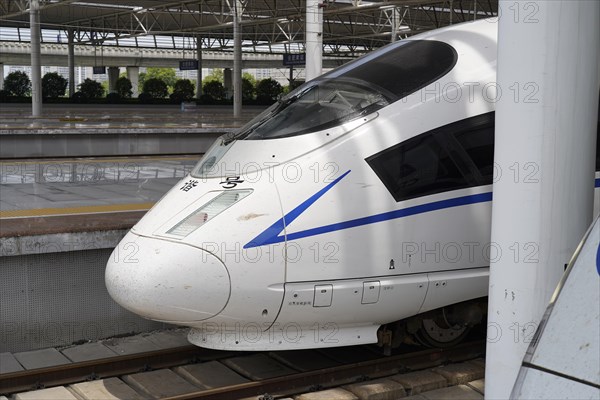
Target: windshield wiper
column 281, row 105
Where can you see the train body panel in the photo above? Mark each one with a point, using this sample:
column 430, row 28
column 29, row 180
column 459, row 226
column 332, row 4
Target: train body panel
column 361, row 198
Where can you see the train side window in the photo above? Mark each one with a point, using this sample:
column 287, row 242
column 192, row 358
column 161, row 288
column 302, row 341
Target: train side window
column 479, row 146
column 455, row 156
column 417, row 167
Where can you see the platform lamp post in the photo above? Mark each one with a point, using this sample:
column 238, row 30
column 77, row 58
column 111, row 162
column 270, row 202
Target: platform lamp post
column 71, row 60
column 36, row 64
column 314, row 39
column 199, row 75
column 546, row 116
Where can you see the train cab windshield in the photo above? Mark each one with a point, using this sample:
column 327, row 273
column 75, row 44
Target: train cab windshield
column 355, row 89
column 319, row 105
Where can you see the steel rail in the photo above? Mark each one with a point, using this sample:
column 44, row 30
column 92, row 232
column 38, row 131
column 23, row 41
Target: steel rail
column 103, row 368
column 339, row 375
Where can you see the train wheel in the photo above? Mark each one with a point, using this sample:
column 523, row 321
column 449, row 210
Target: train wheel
column 434, row 334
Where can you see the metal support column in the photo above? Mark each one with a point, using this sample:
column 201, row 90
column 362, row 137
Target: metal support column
column 36, row 62
column 394, row 22
column 544, row 158
column 314, row 39
column 237, row 59
column 71, row 61
column 199, row 76
column 1, row 76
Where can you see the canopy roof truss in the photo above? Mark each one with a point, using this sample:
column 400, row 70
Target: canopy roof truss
column 350, row 27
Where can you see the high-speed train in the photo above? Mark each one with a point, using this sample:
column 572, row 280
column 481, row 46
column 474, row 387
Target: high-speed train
column 562, row 359
column 360, row 199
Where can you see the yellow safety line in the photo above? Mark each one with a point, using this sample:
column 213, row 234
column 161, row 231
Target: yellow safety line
column 45, row 212
column 90, row 160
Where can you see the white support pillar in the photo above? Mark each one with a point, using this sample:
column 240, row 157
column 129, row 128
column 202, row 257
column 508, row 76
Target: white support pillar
column 314, row 39
column 36, row 59
column 237, row 59
column 545, row 150
column 71, row 61
column 1, row 76
column 199, row 75
column 133, row 74
column 113, row 75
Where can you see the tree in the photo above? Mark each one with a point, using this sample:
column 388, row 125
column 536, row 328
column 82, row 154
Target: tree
column 250, row 77
column 141, row 80
column 123, row 86
column 214, row 90
column 296, row 83
column 91, row 89
column 155, row 88
column 248, row 89
column 268, row 90
column 54, row 85
column 17, row 84
column 183, row 90
column 216, row 74
column 167, row 75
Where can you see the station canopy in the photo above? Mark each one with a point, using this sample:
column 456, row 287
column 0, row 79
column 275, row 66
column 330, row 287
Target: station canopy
column 350, row 27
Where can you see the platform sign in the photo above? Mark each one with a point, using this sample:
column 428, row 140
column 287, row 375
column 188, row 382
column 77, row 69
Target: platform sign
column 294, row 59
column 99, row 70
column 188, row 65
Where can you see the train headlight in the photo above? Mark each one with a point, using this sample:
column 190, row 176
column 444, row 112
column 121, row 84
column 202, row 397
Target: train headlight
column 208, row 211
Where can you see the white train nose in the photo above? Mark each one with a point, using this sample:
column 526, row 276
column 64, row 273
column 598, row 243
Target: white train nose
column 166, row 281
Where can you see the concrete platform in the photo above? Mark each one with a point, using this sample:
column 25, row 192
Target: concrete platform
column 459, row 374
column 303, row 360
column 41, row 358
column 87, row 352
column 71, row 130
column 168, row 339
column 56, row 393
column 330, row 394
column 8, row 363
column 160, row 383
column 44, row 185
column 258, row 366
column 378, row 389
column 460, row 392
column 209, row 375
column 106, row 389
column 420, row 381
column 130, row 345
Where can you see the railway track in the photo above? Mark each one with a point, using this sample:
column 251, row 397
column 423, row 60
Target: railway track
column 103, row 368
column 294, row 383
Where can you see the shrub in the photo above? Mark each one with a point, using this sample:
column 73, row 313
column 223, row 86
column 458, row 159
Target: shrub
column 91, row 89
column 248, row 89
column 78, row 97
column 113, row 98
column 4, row 95
column 183, row 90
column 155, row 88
column 268, row 90
column 124, row 87
column 214, row 90
column 54, row 85
column 17, row 84
column 145, row 98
